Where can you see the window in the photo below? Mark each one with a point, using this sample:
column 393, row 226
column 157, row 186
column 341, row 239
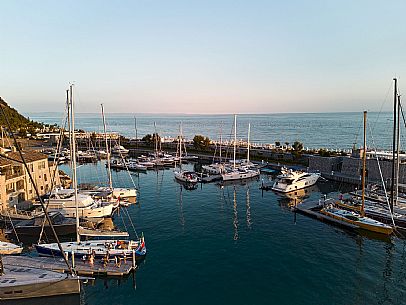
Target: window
column 41, row 165
column 45, row 177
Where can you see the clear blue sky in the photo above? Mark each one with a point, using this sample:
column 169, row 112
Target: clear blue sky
column 202, row 56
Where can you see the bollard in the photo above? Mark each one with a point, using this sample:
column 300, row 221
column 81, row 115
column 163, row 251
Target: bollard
column 133, row 258
column 73, row 259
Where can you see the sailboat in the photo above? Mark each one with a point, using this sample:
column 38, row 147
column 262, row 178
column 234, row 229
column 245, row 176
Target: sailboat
column 376, row 199
column 99, row 247
column 189, row 177
column 242, row 171
column 29, row 282
column 353, row 217
column 216, row 168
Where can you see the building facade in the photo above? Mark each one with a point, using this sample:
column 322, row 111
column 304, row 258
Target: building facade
column 15, row 184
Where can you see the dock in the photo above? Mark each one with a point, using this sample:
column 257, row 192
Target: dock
column 312, row 209
column 82, row 267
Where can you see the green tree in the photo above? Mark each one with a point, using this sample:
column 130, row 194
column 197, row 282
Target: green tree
column 201, row 142
column 150, row 139
column 297, row 149
column 297, row 146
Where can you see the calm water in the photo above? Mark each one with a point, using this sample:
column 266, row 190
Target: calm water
column 315, row 130
column 232, row 245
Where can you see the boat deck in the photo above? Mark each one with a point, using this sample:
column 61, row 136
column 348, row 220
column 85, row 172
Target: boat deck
column 81, row 267
column 312, row 209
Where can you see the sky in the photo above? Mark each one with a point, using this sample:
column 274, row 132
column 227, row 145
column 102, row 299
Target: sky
column 223, row 56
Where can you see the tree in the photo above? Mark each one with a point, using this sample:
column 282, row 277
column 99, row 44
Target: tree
column 297, row 149
column 201, row 142
column 297, row 146
column 150, row 139
column 324, row 153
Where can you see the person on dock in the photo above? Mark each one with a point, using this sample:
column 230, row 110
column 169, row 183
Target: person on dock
column 118, row 261
column 105, row 260
column 91, row 259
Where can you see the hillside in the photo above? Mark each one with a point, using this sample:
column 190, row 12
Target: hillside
column 16, row 120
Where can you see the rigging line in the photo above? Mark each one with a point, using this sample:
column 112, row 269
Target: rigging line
column 122, row 221
column 382, row 104
column 55, row 164
column 381, row 176
column 15, row 232
column 131, row 222
column 35, row 188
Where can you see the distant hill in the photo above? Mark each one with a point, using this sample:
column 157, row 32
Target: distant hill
column 15, row 119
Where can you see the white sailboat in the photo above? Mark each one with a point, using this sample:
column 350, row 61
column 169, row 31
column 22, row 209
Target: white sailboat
column 242, row 171
column 100, row 248
column 184, row 176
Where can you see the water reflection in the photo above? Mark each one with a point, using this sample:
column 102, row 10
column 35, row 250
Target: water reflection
column 235, row 219
column 294, row 198
column 180, row 200
column 248, row 211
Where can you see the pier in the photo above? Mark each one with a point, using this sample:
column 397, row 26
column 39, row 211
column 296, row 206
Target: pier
column 81, row 267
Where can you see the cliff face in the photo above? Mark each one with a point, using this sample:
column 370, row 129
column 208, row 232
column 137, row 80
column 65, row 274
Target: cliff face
column 16, row 120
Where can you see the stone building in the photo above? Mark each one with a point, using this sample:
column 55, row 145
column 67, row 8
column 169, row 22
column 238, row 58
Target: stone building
column 15, row 184
column 351, row 167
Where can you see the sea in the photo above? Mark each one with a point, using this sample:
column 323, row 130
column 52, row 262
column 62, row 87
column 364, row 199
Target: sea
column 236, row 244
column 333, row 131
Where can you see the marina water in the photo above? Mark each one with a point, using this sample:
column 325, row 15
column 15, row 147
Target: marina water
column 237, row 245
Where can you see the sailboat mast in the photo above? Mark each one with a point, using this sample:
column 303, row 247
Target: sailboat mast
column 248, row 148
column 107, row 149
column 136, row 131
column 235, row 138
column 180, row 146
column 395, row 98
column 156, row 141
column 364, row 163
column 73, row 157
column 221, row 139
column 397, row 154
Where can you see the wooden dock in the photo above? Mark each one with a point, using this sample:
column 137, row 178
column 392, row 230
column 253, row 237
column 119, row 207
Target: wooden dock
column 81, row 267
column 312, row 208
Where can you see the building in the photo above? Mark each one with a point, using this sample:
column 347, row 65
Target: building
column 15, row 184
column 349, row 168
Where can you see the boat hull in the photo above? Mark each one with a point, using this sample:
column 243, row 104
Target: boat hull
column 17, row 284
column 283, row 188
column 377, row 229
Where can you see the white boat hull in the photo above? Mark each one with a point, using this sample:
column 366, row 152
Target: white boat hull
column 280, row 186
column 237, row 175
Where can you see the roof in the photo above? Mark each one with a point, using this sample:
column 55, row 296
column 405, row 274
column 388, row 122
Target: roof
column 4, row 161
column 29, row 156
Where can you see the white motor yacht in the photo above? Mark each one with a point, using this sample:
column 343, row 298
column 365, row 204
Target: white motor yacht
column 291, row 180
column 119, row 149
column 63, row 200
